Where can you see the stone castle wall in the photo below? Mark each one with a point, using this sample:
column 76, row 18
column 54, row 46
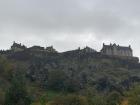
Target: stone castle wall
column 119, row 53
column 117, row 50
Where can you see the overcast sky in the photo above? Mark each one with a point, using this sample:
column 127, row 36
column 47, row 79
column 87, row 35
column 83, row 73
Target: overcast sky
column 68, row 24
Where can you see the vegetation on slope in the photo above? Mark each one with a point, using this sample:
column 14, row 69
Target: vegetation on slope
column 69, row 78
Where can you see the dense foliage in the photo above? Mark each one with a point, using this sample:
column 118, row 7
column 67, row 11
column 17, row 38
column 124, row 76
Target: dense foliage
column 70, row 78
column 17, row 94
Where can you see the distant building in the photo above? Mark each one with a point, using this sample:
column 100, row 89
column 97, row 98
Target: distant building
column 117, row 50
column 17, row 47
column 88, row 50
column 36, row 48
column 50, row 49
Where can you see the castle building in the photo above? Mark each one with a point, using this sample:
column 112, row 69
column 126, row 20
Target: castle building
column 36, row 48
column 116, row 50
column 88, row 50
column 50, row 49
column 17, row 47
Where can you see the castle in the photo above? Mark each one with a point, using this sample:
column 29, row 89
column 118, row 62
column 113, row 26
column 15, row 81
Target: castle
column 18, row 48
column 111, row 50
column 116, row 50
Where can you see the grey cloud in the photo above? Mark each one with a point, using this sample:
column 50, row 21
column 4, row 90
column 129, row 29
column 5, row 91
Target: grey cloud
column 67, row 24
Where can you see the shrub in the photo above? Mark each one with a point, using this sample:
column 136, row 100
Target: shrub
column 134, row 96
column 113, row 98
column 70, row 100
column 56, row 80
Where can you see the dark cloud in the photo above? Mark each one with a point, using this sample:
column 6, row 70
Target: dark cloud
column 67, row 24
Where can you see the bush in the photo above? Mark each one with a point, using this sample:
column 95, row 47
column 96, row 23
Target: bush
column 72, row 84
column 113, row 98
column 43, row 100
column 93, row 97
column 70, row 100
column 6, row 68
column 56, row 80
column 134, row 96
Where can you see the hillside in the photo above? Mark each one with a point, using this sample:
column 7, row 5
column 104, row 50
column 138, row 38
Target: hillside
column 70, row 72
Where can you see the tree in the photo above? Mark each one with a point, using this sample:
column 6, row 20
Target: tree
column 17, row 94
column 56, row 79
column 6, row 67
column 114, row 98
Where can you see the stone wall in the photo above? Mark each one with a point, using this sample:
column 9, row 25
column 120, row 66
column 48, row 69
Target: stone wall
column 117, row 50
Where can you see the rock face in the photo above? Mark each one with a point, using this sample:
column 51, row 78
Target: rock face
column 92, row 68
column 78, row 68
column 116, row 50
